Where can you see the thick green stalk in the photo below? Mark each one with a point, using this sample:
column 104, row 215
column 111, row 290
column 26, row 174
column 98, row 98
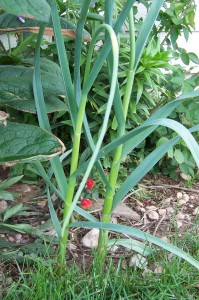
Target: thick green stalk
column 115, row 166
column 72, row 180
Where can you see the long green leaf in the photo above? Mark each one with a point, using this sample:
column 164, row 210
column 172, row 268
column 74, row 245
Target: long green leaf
column 146, row 29
column 53, row 215
column 42, row 113
column 141, row 235
column 184, row 133
column 132, row 245
column 63, row 61
column 146, row 165
column 134, row 137
column 78, row 47
column 8, row 182
column 12, row 211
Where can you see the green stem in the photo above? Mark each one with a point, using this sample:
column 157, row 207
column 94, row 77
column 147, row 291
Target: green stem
column 115, row 166
column 69, row 204
column 72, row 180
column 21, row 47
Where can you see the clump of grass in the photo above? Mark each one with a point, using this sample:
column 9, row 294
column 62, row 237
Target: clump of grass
column 179, row 280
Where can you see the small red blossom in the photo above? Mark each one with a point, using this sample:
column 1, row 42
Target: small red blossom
column 90, row 184
column 86, row 203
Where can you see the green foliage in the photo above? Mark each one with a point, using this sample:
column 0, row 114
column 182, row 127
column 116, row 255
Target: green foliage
column 6, row 195
column 39, row 10
column 126, row 107
column 29, row 145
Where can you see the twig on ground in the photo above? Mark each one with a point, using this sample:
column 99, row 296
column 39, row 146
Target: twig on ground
column 166, row 186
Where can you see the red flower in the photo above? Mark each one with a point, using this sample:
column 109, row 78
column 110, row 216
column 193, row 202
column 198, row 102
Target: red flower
column 86, row 203
column 90, row 184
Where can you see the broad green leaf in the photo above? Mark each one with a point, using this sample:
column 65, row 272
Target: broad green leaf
column 6, row 196
column 161, row 141
column 9, row 23
column 193, row 57
column 185, row 135
column 185, row 58
column 37, row 9
column 141, row 235
column 8, row 182
column 178, row 156
column 25, row 143
column 12, row 211
column 16, row 86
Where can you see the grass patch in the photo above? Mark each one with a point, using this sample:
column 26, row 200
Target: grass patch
column 179, row 280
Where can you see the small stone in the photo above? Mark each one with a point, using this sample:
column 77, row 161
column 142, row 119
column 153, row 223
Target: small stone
column 122, row 210
column 185, row 177
column 196, row 211
column 159, row 270
column 182, row 202
column 18, row 236
column 90, row 240
column 191, row 205
column 26, row 188
column 153, row 215
column 72, row 246
column 139, row 261
column 9, row 280
column 192, row 197
column 185, row 197
column 51, row 232
column 113, row 248
column 42, row 203
column 188, row 218
column 166, row 202
column 151, row 207
column 170, row 210
column 178, row 224
column 162, row 211
column 11, row 239
column 164, row 238
column 141, row 209
column 180, row 216
column 170, row 256
column 179, row 195
column 2, row 235
column 147, row 272
column 54, row 197
column 114, row 220
column 3, row 206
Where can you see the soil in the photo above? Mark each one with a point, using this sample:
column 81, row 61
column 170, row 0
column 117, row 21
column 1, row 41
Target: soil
column 175, row 206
